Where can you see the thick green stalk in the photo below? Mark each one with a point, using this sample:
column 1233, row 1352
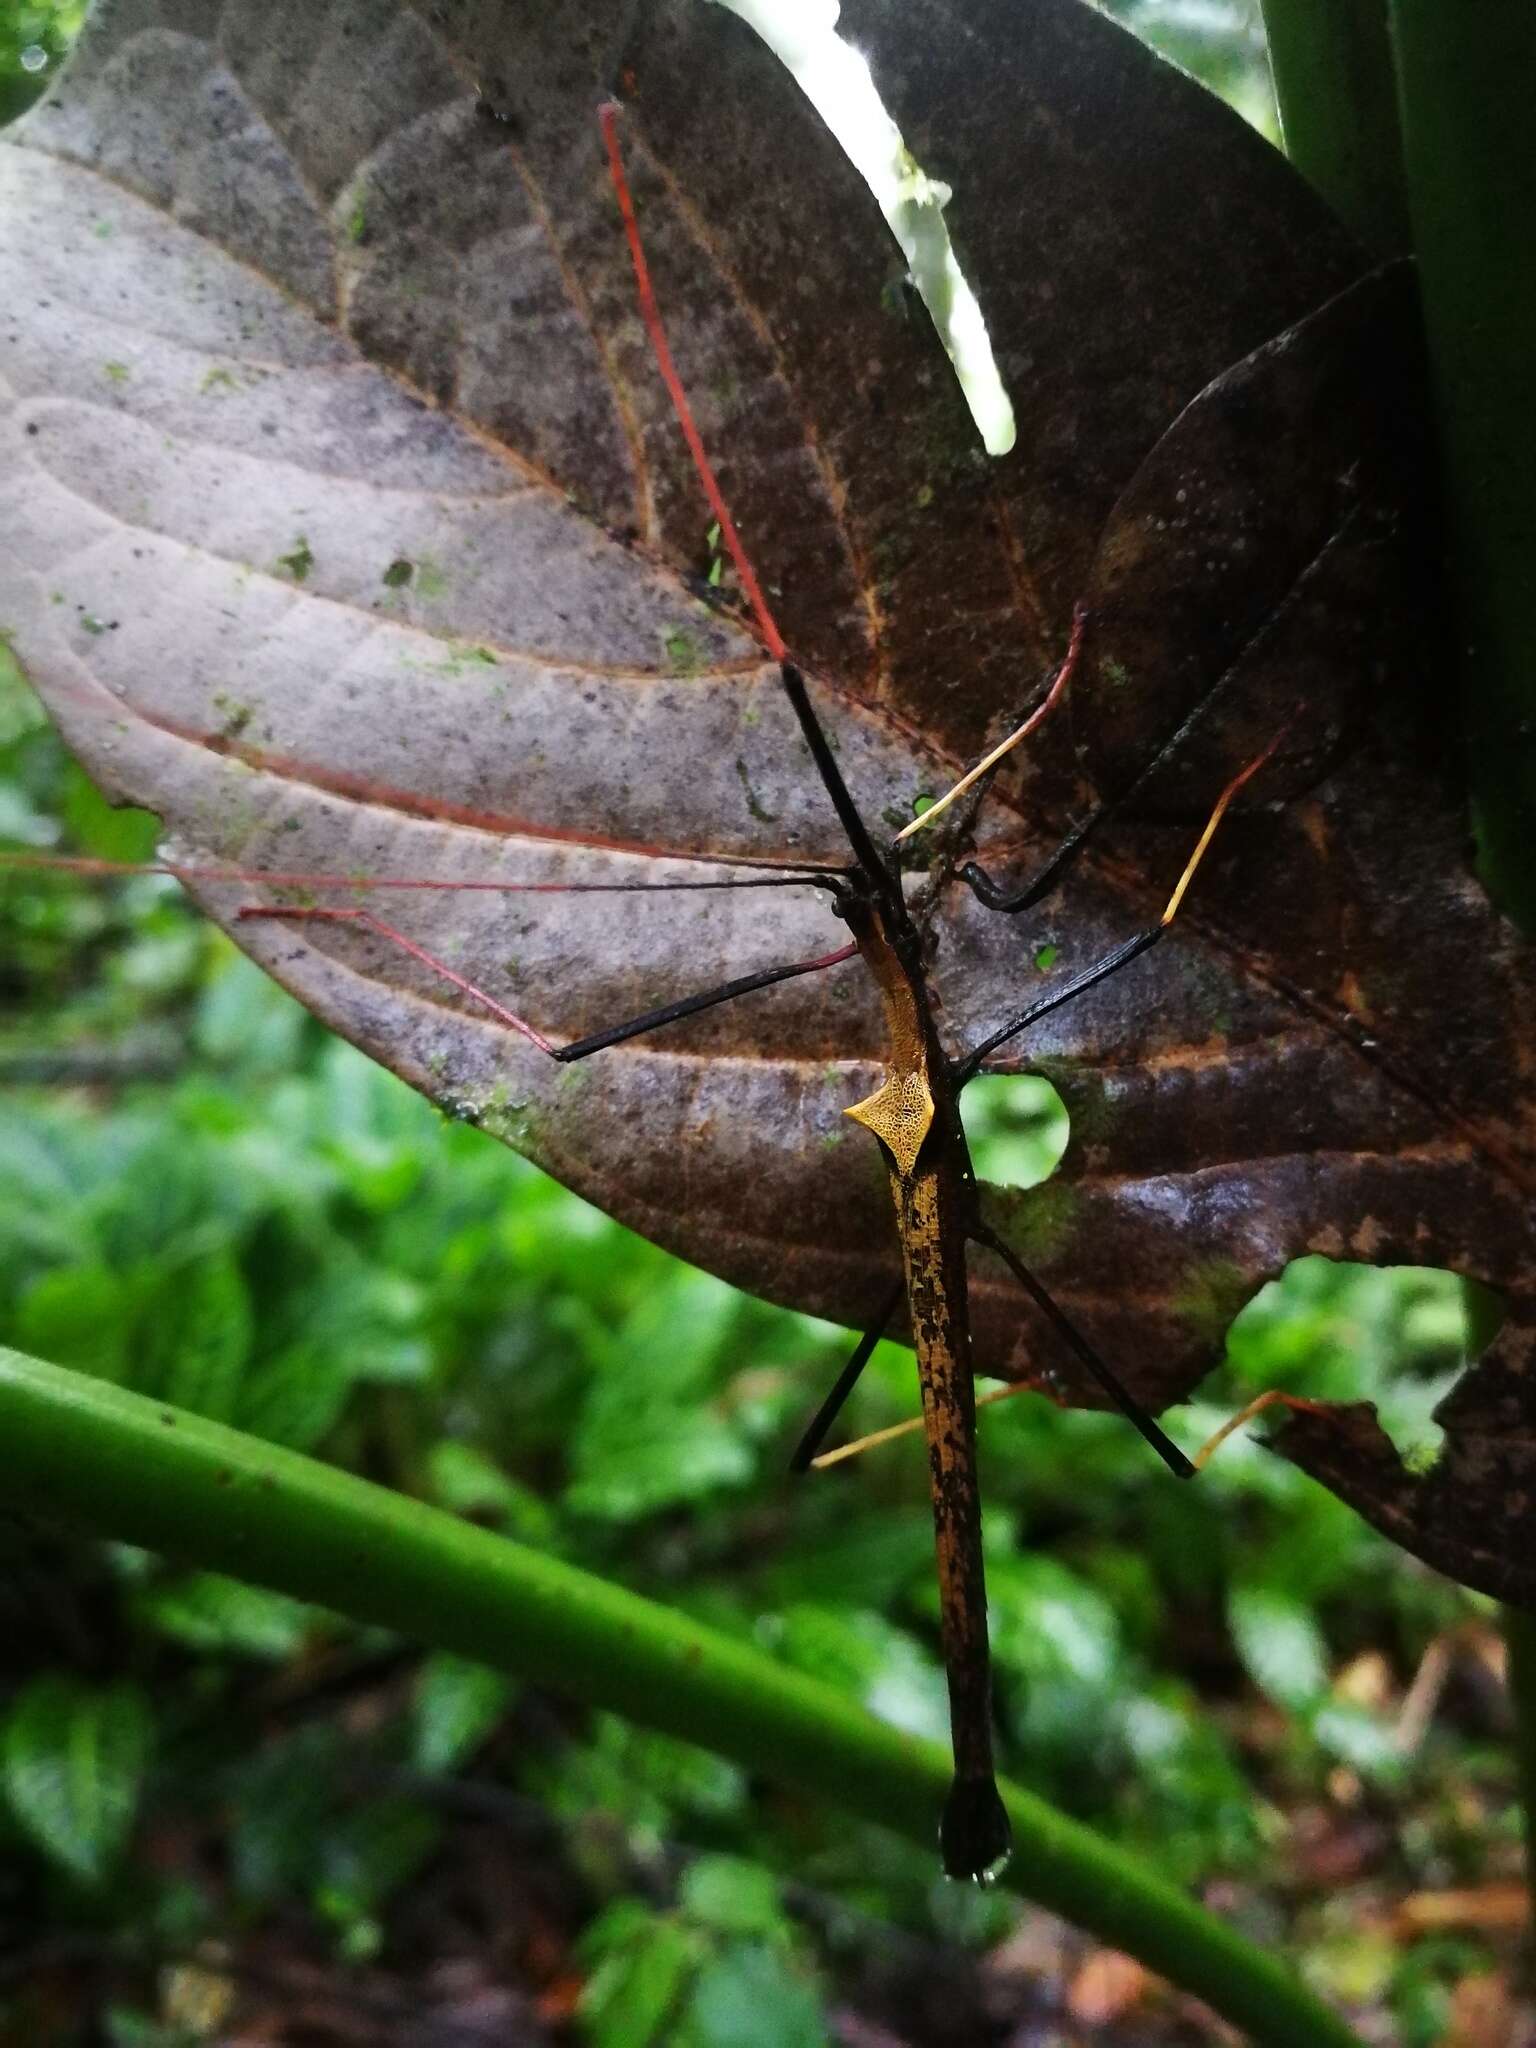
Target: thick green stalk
column 1332, row 65
column 100, row 1459
column 1520, row 1640
column 1466, row 79
column 1467, row 76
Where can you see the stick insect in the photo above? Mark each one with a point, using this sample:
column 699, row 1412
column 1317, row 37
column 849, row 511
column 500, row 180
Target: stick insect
column 914, row 1116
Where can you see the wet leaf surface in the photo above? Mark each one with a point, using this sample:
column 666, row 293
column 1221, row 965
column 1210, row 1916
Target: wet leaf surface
column 345, row 526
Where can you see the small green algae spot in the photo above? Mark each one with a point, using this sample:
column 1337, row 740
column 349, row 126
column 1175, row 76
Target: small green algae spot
column 1046, row 958
column 399, row 573
column 1115, row 673
column 754, row 804
column 924, row 497
column 922, row 802
column 357, row 222
column 234, row 716
column 1039, row 1225
column 683, row 652
column 103, row 230
column 116, row 373
column 830, row 1140
column 832, row 1074
column 431, row 577
column 218, row 379
column 459, row 658
column 92, row 624
column 299, row 559
column 1211, row 1297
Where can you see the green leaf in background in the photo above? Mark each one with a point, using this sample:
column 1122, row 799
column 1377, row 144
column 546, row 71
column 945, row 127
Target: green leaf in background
column 753, row 1996
column 284, row 1798
column 1281, row 1645
column 73, row 1759
column 893, row 1674
column 641, row 1964
column 1049, row 1623
column 456, row 1705
column 207, row 1611
column 297, row 1397
column 733, row 1896
column 375, row 1847
column 79, row 1316
column 634, row 1780
column 649, row 1436
column 195, row 1336
column 464, row 1480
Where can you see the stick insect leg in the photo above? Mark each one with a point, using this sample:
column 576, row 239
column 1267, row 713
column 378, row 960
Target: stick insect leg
column 1273, row 1398
column 991, row 893
column 816, row 1429
column 1128, row 950
column 1083, row 1351
column 577, row 1049
column 988, row 762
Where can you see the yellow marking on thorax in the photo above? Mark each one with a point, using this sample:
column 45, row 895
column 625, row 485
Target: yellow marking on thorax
column 900, row 1113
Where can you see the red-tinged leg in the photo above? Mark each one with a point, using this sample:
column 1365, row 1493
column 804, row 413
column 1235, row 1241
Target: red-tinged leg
column 1272, row 1399
column 580, row 1048
column 314, row 914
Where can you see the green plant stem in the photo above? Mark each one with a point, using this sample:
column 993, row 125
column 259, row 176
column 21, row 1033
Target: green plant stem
column 1520, row 1640
column 1332, row 65
column 115, row 1464
column 1465, row 78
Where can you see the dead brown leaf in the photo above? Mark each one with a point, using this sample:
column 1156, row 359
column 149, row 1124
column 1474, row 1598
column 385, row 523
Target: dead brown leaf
column 288, row 308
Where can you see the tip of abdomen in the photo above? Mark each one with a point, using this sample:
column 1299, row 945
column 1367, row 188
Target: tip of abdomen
column 974, row 1836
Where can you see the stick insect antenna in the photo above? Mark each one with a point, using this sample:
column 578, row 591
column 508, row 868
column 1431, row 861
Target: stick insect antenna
column 864, row 850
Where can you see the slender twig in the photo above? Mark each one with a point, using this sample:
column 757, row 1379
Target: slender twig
column 113, row 1463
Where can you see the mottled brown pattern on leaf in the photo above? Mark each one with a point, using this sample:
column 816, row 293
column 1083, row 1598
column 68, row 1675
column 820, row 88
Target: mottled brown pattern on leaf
column 355, row 309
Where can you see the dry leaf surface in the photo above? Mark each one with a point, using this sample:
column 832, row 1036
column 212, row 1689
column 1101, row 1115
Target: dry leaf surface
column 343, row 524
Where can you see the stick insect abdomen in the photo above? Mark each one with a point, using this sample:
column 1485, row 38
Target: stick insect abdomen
column 974, row 1834
column 915, row 1115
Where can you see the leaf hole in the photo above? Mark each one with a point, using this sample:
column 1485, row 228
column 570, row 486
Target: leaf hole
column 1017, row 1128
column 1397, row 1336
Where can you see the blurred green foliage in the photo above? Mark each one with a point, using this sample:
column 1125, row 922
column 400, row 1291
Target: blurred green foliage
column 204, row 1197
column 35, row 35
column 214, row 1202
column 1220, row 42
